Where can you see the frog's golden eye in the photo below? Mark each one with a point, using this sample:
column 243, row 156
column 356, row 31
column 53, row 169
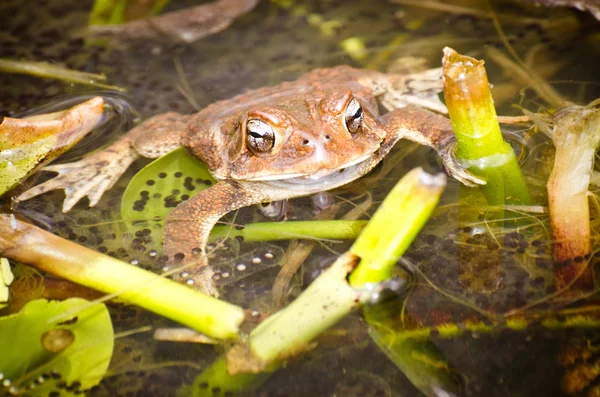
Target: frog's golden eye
column 260, row 136
column 353, row 116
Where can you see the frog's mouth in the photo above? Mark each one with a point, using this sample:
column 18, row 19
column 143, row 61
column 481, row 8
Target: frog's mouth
column 317, row 176
column 324, row 180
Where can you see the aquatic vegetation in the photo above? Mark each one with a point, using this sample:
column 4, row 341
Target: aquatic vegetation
column 575, row 133
column 54, row 71
column 27, row 144
column 119, row 11
column 394, row 226
column 331, row 296
column 51, row 346
column 479, row 142
column 186, row 26
column 29, row 244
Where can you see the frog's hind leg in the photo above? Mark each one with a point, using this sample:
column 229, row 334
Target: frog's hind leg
column 418, row 89
column 188, row 226
column 98, row 172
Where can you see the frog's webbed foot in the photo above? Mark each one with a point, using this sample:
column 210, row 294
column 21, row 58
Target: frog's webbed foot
column 455, row 169
column 90, row 177
column 188, row 226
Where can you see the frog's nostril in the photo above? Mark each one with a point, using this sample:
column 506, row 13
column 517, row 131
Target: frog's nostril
column 305, row 142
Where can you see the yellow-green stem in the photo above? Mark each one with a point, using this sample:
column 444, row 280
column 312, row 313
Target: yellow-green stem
column 265, row 231
column 63, row 258
column 395, row 225
column 480, row 146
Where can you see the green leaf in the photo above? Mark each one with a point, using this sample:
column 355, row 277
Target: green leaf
column 161, row 185
column 56, row 346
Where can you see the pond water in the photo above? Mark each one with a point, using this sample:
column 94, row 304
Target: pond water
column 468, row 268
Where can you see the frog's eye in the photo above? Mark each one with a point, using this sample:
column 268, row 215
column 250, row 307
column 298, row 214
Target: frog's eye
column 353, row 116
column 260, row 136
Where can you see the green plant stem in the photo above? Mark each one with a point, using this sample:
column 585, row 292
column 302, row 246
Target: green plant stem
column 330, row 297
column 326, row 301
column 216, row 377
column 480, row 146
column 395, row 225
column 286, row 333
column 264, row 231
column 420, row 361
column 29, row 244
column 50, row 71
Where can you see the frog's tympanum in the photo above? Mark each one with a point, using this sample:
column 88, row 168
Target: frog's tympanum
column 317, row 133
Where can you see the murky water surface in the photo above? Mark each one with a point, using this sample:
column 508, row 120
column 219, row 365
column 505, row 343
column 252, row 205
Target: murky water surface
column 468, row 269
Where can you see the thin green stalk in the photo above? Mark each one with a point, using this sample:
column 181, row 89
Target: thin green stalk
column 480, row 146
column 28, row 244
column 265, row 231
column 51, row 71
column 395, row 225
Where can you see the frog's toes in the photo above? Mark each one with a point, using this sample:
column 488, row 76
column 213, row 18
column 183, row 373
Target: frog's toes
column 89, row 177
column 466, row 178
column 77, row 181
column 198, row 277
column 458, row 172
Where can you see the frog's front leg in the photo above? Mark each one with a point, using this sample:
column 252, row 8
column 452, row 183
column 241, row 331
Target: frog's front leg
column 430, row 129
column 188, row 226
column 98, row 172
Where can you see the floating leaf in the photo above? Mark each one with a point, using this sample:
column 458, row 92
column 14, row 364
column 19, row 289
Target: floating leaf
column 52, row 346
column 163, row 184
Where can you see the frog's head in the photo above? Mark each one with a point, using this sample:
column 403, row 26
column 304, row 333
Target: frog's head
column 309, row 133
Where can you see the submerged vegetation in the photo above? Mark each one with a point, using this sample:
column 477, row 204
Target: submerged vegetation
column 575, row 133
